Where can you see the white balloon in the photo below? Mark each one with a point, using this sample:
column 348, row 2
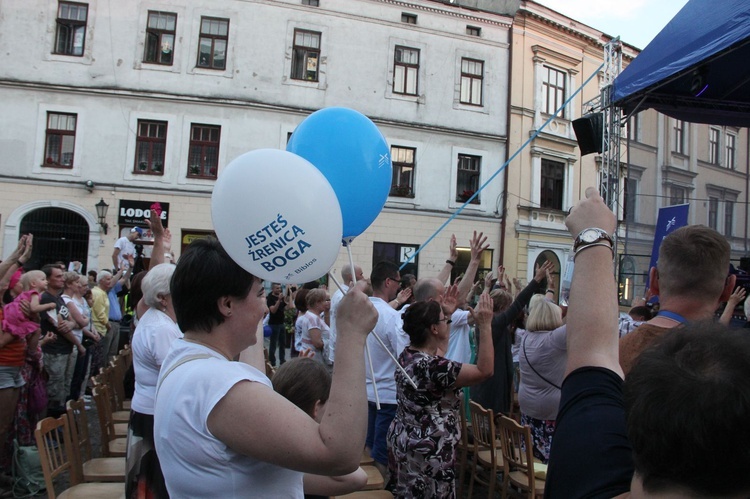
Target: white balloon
column 277, row 216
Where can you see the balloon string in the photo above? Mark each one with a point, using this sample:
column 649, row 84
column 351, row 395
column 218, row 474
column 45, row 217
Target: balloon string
column 348, row 247
column 531, row 139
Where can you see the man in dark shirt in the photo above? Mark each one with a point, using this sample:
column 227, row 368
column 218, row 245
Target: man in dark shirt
column 677, row 426
column 57, row 353
column 276, row 306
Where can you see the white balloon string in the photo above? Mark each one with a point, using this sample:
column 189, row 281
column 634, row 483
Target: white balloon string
column 337, row 283
column 372, row 375
column 367, row 348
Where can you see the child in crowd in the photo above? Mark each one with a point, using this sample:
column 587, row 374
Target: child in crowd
column 306, row 383
column 15, row 321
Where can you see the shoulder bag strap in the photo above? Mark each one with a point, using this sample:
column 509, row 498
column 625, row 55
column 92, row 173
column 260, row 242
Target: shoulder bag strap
column 532, row 367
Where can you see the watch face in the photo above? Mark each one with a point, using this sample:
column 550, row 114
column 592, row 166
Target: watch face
column 589, row 236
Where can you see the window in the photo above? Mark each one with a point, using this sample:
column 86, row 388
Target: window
column 203, row 158
column 398, row 254
column 676, row 195
column 679, row 137
column 473, row 31
column 630, row 188
column 472, row 74
column 467, row 178
column 408, row 18
column 634, row 128
column 713, row 146
column 713, row 213
column 160, row 35
column 553, row 183
column 61, row 138
column 150, row 147
column 402, row 184
column 71, row 28
column 728, row 218
column 212, row 45
column 731, row 144
column 553, row 90
column 305, row 55
column 312, row 3
column 405, row 70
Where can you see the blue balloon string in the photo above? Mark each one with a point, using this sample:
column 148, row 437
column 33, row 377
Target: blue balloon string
column 486, row 183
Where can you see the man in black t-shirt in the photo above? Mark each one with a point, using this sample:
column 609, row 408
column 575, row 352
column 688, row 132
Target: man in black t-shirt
column 276, row 306
column 57, row 353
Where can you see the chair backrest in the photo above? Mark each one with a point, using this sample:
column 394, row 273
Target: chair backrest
column 54, row 444
column 517, row 445
column 118, row 381
column 104, row 411
column 483, row 427
column 78, row 422
column 108, row 379
column 462, row 422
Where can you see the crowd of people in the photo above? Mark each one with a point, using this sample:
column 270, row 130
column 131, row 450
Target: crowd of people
column 615, row 405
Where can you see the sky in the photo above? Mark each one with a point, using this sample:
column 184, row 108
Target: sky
column 636, row 22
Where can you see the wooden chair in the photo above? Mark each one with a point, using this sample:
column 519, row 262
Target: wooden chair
column 375, row 479
column 108, row 379
column 518, row 458
column 366, row 458
column 55, row 453
column 101, row 469
column 112, row 445
column 488, row 457
column 119, row 367
column 465, row 449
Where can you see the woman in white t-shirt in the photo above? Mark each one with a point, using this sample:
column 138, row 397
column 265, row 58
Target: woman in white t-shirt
column 153, row 336
column 219, row 428
column 316, row 333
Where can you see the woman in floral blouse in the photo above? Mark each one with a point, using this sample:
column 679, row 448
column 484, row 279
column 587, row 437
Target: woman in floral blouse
column 423, row 436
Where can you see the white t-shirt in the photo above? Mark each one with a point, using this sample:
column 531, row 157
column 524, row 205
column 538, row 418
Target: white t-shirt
column 126, row 247
column 335, row 302
column 389, row 329
column 194, row 462
column 83, row 308
column 459, row 344
column 151, row 341
column 547, row 352
column 315, row 322
column 300, row 330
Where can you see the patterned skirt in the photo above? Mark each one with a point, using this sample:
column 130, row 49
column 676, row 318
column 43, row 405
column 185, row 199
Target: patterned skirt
column 541, row 433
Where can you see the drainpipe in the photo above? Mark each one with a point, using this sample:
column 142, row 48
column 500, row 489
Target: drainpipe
column 504, row 212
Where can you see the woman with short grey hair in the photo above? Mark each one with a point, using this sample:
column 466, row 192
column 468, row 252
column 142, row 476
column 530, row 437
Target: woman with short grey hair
column 153, row 336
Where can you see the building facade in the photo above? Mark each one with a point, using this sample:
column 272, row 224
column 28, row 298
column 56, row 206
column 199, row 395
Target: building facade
column 134, row 103
column 663, row 162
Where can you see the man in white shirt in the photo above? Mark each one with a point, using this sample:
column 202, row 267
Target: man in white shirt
column 124, row 247
column 385, row 284
column 346, row 279
column 459, row 344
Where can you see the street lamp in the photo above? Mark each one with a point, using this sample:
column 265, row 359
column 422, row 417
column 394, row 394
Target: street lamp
column 101, row 212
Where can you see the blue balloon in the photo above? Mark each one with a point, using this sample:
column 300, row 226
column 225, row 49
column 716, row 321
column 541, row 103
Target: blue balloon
column 353, row 155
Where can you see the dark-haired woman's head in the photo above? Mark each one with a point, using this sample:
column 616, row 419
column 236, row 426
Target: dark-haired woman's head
column 420, row 319
column 204, row 274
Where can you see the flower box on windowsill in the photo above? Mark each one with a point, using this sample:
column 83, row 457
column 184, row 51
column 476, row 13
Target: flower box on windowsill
column 194, row 170
column 465, row 195
column 401, row 191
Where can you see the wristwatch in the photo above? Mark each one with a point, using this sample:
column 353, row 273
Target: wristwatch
column 592, row 235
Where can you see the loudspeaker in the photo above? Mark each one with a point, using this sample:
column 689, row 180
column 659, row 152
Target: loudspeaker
column 588, row 130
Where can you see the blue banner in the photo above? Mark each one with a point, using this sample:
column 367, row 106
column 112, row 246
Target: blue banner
column 670, row 219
